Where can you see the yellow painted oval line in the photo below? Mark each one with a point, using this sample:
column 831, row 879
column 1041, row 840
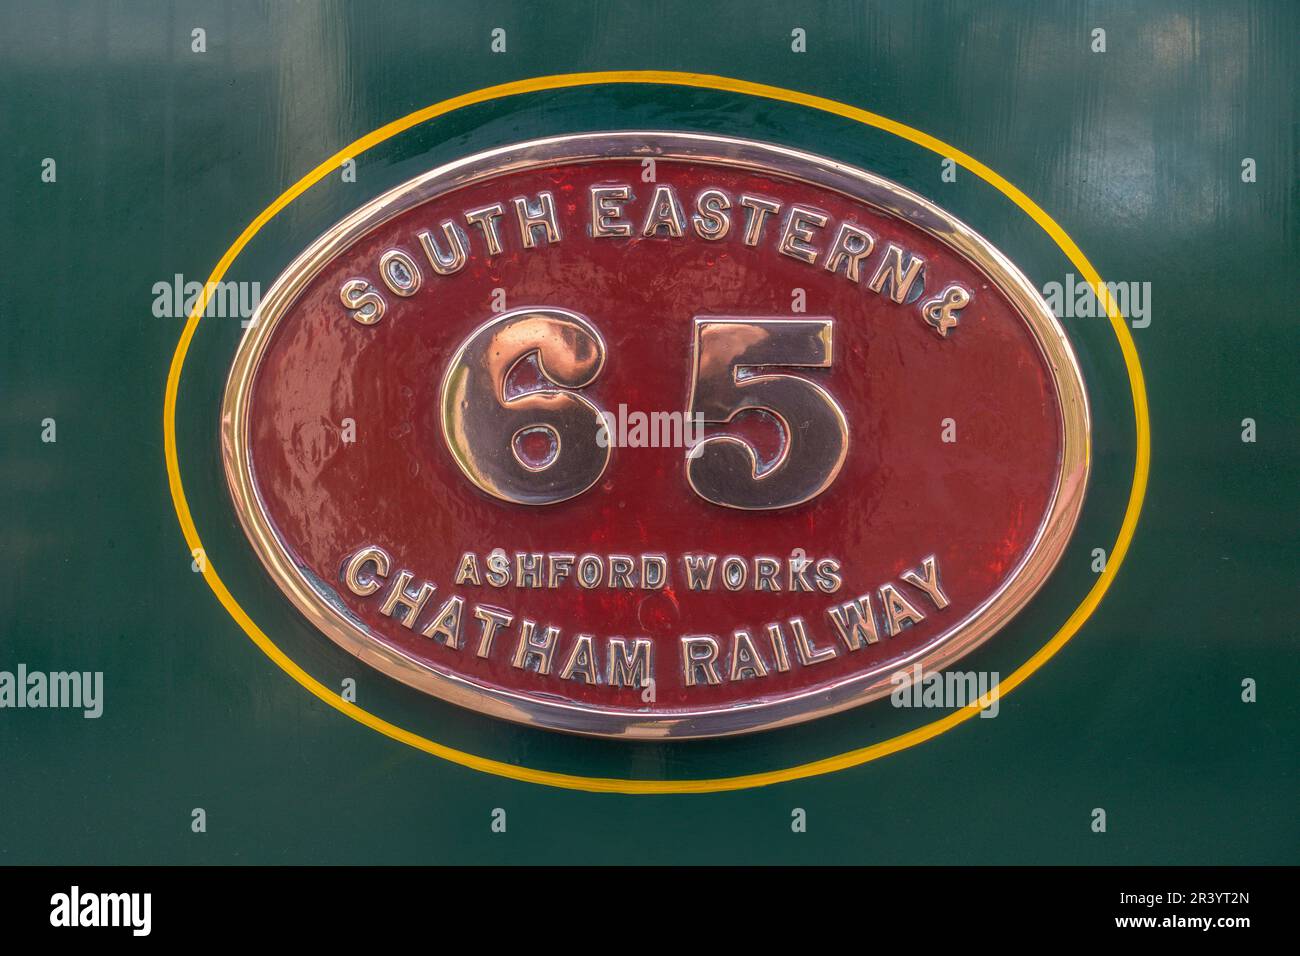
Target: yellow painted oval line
column 617, row 785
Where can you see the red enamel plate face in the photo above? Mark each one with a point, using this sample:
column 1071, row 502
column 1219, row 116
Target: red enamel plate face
column 678, row 448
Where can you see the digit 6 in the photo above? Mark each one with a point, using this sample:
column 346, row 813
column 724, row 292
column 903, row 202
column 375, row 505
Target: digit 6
column 486, row 425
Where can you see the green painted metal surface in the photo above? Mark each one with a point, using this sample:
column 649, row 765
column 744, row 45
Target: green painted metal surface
column 163, row 155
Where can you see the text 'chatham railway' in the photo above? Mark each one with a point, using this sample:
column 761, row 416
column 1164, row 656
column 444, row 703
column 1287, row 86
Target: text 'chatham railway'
column 530, row 645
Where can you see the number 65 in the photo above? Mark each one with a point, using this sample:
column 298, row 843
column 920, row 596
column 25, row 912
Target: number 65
column 485, row 424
